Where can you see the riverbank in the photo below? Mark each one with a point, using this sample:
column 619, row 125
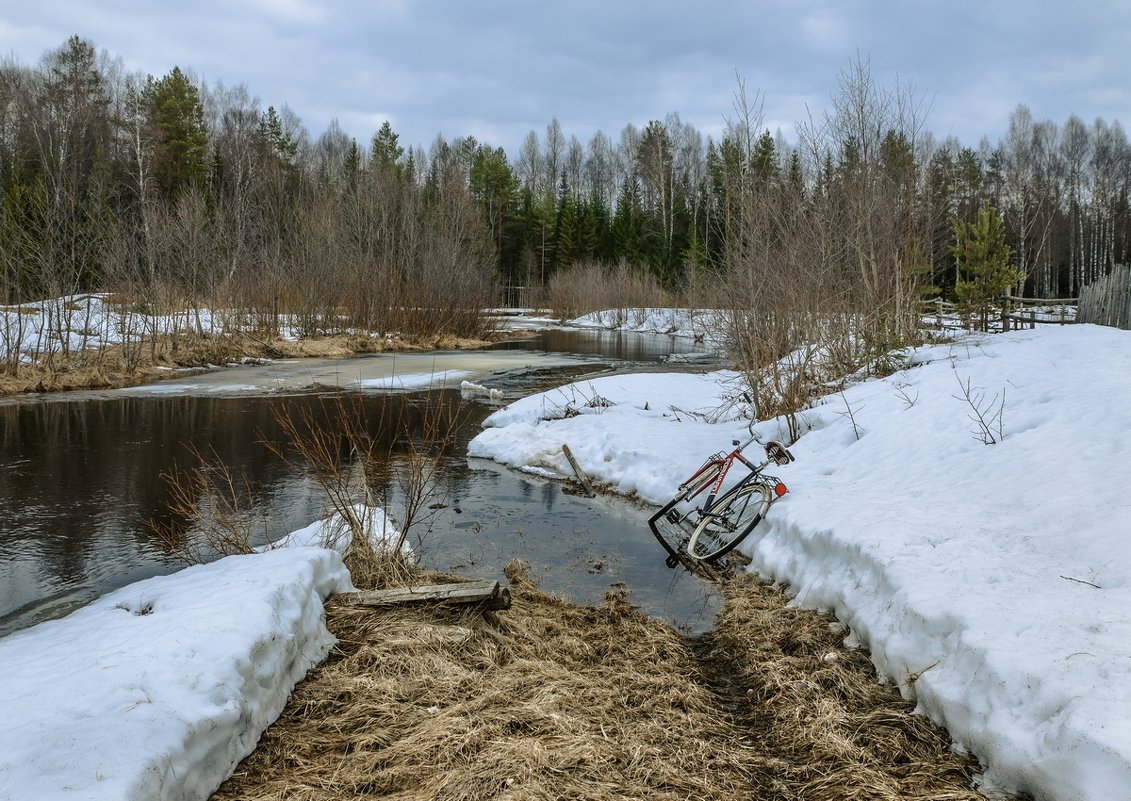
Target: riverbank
column 987, row 579
column 113, row 368
column 97, row 341
column 553, row 700
column 966, row 517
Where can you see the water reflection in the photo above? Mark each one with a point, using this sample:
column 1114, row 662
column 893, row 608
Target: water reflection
column 78, row 480
column 623, row 345
column 575, row 546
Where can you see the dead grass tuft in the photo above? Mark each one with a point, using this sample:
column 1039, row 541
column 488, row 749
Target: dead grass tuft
column 546, row 700
column 553, row 700
column 839, row 732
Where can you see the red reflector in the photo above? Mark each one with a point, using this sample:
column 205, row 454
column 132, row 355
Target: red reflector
column 780, row 490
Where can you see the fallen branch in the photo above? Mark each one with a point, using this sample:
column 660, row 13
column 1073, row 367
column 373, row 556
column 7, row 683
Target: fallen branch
column 485, row 594
column 1081, row 581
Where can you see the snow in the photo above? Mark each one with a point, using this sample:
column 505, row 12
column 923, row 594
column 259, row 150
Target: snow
column 701, row 324
column 75, row 322
column 334, row 532
column 159, row 689
column 989, row 581
column 412, row 380
column 967, row 517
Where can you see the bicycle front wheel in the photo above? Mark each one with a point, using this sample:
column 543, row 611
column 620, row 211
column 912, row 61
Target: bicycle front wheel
column 727, row 522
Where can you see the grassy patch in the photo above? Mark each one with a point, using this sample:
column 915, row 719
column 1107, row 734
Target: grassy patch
column 554, row 700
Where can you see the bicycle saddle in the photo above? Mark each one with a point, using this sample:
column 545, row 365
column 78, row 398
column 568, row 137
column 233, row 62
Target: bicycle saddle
column 778, row 453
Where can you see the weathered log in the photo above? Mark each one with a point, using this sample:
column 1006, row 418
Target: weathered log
column 577, row 469
column 484, row 594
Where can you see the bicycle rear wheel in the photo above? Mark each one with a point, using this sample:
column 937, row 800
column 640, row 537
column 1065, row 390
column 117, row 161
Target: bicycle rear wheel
column 669, row 529
column 727, row 521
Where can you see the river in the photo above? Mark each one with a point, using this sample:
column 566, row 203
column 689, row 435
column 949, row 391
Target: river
column 82, row 473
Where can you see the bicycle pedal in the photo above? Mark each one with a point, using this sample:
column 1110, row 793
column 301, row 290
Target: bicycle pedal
column 673, row 517
column 671, row 561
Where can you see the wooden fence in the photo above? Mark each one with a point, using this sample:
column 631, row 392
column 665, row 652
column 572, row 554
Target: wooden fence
column 1019, row 313
column 1009, row 313
column 1108, row 300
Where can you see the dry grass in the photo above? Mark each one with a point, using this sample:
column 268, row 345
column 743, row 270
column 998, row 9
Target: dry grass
column 551, row 700
column 546, row 700
column 839, row 733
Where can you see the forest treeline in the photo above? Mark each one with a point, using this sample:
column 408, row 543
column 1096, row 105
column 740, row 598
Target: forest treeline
column 173, row 192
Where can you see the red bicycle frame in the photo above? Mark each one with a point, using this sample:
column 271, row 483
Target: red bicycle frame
column 724, row 463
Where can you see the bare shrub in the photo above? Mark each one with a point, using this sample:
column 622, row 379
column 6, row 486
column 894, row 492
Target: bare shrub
column 988, row 416
column 591, row 287
column 362, row 462
column 822, row 259
column 393, row 460
column 211, row 512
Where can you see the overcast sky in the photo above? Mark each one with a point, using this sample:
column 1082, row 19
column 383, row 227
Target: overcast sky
column 497, row 69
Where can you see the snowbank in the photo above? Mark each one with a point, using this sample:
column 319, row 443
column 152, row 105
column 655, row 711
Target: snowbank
column 158, row 690
column 334, row 532
column 990, row 581
column 702, row 324
column 611, row 425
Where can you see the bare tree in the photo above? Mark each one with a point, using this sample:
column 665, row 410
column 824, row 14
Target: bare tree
column 600, row 170
column 528, row 169
column 1075, row 147
column 574, row 162
column 553, row 155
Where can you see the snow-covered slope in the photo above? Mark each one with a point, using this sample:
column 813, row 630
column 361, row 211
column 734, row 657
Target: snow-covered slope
column 992, row 582
column 158, row 690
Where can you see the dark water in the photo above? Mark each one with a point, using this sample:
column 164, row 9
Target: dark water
column 79, row 480
column 621, row 345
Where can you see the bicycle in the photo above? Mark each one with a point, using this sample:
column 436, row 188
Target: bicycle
column 707, row 532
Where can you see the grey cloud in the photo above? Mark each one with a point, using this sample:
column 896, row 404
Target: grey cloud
column 499, row 68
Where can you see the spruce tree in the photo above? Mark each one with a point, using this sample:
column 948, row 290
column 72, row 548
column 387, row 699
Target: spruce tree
column 628, row 226
column 565, row 234
column 277, row 141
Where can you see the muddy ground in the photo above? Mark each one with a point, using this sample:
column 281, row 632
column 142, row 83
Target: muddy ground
column 552, row 700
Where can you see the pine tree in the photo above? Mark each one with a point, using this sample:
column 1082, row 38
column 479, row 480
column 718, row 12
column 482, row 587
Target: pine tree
column 384, row 153
column 177, row 118
column 493, row 186
column 982, row 259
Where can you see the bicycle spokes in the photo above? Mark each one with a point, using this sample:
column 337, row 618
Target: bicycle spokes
column 713, row 529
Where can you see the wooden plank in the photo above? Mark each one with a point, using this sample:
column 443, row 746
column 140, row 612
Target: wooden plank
column 577, row 469
column 486, row 594
column 1043, row 301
